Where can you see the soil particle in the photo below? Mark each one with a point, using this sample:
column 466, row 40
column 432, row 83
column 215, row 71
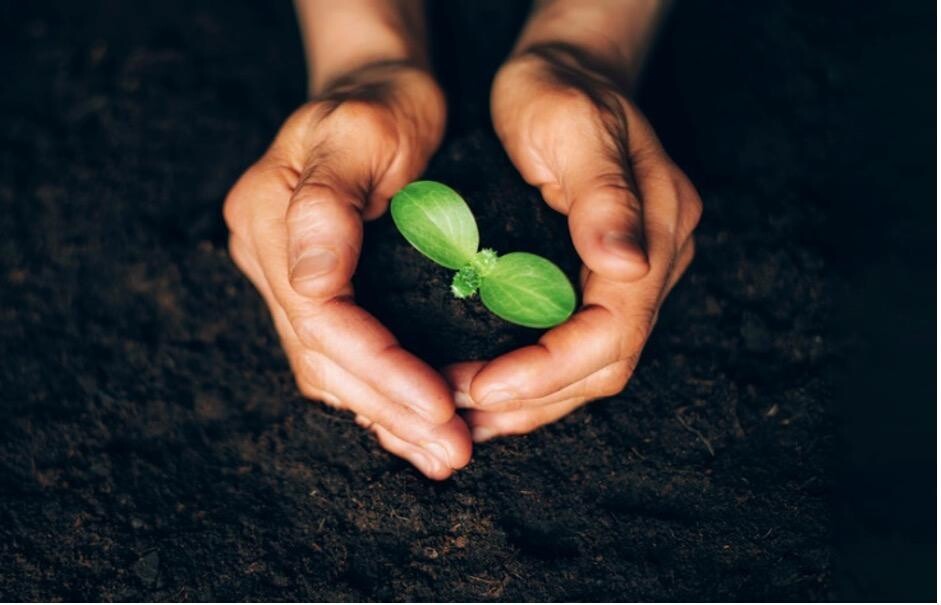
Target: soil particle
column 147, row 567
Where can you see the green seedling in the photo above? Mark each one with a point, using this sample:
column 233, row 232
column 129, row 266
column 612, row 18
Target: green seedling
column 522, row 288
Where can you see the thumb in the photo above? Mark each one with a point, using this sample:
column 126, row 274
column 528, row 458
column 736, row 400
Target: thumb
column 607, row 225
column 589, row 179
column 604, row 209
column 325, row 235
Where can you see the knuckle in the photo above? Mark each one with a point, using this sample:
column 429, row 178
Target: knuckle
column 361, row 116
column 311, row 380
column 232, row 209
column 395, row 423
column 307, row 390
column 526, row 392
column 385, row 439
column 308, row 374
column 611, row 185
column 303, row 325
column 364, row 422
column 238, row 253
column 310, row 197
column 612, row 379
column 637, row 327
column 690, row 200
column 267, row 173
column 519, row 423
column 694, row 210
column 611, row 190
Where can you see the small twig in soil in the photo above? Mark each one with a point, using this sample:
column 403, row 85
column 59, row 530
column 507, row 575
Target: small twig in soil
column 736, row 423
column 496, row 586
column 686, row 425
column 484, row 580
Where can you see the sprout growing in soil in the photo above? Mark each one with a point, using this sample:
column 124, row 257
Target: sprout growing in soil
column 522, row 288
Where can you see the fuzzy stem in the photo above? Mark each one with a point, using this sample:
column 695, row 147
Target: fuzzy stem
column 467, row 279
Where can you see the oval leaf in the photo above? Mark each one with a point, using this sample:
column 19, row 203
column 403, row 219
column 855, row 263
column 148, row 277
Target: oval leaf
column 437, row 221
column 528, row 290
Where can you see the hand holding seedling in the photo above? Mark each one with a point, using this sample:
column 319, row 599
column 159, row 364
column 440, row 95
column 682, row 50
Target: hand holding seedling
column 569, row 127
column 295, row 219
column 560, row 108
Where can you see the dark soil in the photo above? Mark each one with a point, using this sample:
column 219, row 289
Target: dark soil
column 412, row 295
column 153, row 445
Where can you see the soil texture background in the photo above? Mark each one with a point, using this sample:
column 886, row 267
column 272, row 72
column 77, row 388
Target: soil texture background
column 153, row 445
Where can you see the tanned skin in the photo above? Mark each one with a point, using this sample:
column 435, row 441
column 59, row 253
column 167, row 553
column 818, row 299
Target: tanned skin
column 562, row 108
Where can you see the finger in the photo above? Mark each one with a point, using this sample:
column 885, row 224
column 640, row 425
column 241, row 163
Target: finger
column 325, row 235
column 243, row 257
column 594, row 188
column 429, row 466
column 448, row 442
column 613, row 326
column 356, row 341
column 486, row 425
column 609, row 380
column 459, row 376
column 349, row 175
column 592, row 339
column 320, row 378
column 579, row 154
column 341, row 330
column 611, row 209
column 607, row 226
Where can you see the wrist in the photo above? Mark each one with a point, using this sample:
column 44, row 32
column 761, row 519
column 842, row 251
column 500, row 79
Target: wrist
column 343, row 37
column 613, row 36
column 409, row 94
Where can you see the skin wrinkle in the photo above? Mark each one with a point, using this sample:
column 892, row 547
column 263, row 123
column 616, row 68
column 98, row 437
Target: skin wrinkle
column 398, row 111
column 368, row 132
column 559, row 73
column 301, row 363
column 570, row 68
column 319, row 170
column 372, row 85
column 303, row 210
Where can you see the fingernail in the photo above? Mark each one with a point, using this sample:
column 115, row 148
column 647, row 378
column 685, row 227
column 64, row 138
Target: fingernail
column 462, row 400
column 314, row 263
column 438, row 451
column 482, row 433
column 622, row 243
column 497, row 397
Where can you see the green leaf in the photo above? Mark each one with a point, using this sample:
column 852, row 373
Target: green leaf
column 437, row 221
column 528, row 290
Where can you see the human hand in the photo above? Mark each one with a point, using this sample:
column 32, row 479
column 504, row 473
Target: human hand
column 572, row 132
column 295, row 219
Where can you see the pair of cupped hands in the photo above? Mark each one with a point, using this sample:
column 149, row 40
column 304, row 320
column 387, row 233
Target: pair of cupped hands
column 296, row 222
